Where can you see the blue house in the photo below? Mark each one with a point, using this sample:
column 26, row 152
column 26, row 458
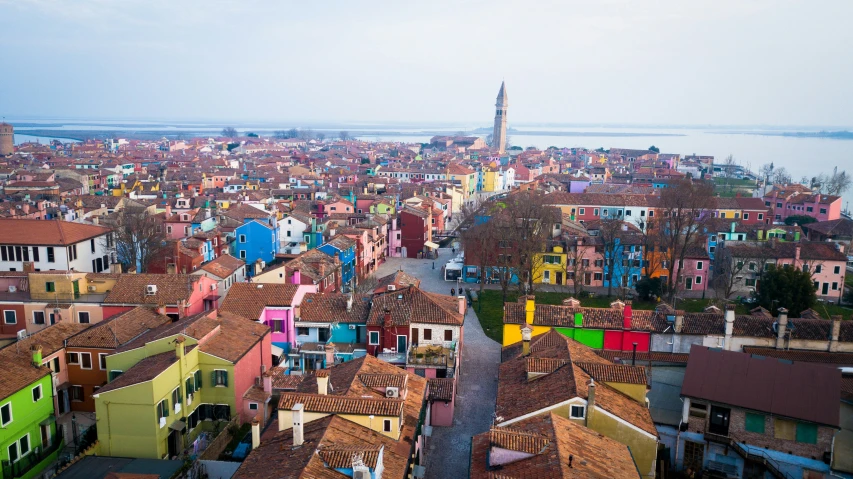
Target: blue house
column 623, row 263
column 255, row 240
column 343, row 248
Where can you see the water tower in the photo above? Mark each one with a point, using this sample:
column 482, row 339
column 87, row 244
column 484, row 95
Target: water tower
column 7, row 139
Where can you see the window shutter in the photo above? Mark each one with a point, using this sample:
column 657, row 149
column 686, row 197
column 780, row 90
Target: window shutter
column 166, row 408
column 807, row 433
column 755, row 422
column 198, row 379
column 213, row 378
column 225, row 378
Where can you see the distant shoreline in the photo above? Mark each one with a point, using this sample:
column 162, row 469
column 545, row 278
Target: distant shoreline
column 831, row 135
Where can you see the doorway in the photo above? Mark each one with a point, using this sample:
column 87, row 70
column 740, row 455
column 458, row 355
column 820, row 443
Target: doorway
column 414, row 336
column 174, row 443
column 559, row 277
column 401, row 344
column 688, row 283
column 825, row 289
column 719, row 423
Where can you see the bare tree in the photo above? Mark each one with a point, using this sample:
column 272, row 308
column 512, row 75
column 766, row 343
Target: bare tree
column 611, row 233
column 230, row 132
column 366, row 285
column 321, row 136
column 780, row 176
column 728, row 170
column 480, row 242
column 577, row 263
column 139, row 237
column 832, row 184
column 307, row 134
column 530, row 223
column 344, row 135
column 685, row 207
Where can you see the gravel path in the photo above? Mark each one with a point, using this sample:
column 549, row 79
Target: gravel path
column 449, row 449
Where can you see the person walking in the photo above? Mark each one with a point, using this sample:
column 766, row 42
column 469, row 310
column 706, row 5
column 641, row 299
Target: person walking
column 452, row 291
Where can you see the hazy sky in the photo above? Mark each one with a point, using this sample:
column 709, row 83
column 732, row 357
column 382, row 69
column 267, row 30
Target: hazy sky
column 775, row 62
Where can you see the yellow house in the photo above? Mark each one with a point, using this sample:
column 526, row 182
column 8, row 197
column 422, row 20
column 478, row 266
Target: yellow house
column 490, row 179
column 466, row 177
column 550, row 267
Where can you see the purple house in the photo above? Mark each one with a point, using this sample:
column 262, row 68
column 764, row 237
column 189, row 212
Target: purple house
column 272, row 304
column 579, row 185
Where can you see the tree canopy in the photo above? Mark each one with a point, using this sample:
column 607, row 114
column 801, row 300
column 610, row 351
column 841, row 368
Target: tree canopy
column 788, row 288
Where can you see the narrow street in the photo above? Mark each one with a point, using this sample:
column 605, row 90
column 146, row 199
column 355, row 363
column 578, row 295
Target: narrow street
column 449, row 448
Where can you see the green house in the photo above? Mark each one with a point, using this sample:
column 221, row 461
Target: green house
column 28, row 434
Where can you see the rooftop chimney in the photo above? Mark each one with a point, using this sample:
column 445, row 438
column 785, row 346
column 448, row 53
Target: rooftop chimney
column 349, row 302
column 386, row 320
column 463, row 304
column 781, row 327
column 590, row 401
column 529, row 308
column 267, row 379
column 323, row 379
column 297, row 415
column 730, row 325
column 329, row 349
column 526, row 335
column 296, row 278
column 627, row 315
column 836, row 330
column 179, row 347
column 256, row 433
column 36, row 349
column 679, row 321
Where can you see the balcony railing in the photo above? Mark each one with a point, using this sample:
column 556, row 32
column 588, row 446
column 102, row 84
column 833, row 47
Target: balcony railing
column 432, row 355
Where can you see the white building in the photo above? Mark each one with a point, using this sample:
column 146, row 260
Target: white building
column 225, row 270
column 55, row 245
column 291, row 234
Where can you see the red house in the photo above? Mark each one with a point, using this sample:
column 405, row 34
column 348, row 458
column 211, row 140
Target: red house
column 416, row 231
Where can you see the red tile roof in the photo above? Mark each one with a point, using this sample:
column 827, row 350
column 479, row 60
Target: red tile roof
column 47, row 233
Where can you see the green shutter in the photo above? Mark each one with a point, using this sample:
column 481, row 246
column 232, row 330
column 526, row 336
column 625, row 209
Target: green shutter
column 198, row 380
column 213, row 379
column 225, row 378
column 755, row 422
column 806, row 433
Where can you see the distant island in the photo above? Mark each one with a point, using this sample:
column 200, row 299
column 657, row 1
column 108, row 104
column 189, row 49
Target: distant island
column 833, row 135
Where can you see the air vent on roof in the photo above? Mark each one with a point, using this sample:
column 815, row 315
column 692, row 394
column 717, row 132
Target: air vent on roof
column 151, row 289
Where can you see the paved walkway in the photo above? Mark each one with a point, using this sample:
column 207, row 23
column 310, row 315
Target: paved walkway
column 449, row 449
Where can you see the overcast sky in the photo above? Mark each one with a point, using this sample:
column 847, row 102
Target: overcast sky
column 746, row 62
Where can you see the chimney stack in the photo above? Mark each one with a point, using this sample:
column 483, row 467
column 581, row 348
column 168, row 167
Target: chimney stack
column 836, row 331
column 529, row 308
column 627, row 315
column 267, row 379
column 781, row 328
column 297, row 415
column 349, row 302
column 526, row 335
column 322, row 381
column 36, row 349
column 590, row 401
column 679, row 321
column 463, row 305
column 730, row 325
column 179, row 347
column 330, row 354
column 386, row 320
column 296, row 278
column 256, row 433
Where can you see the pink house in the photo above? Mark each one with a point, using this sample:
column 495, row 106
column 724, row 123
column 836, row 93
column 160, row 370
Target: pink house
column 441, row 396
column 394, row 239
column 271, row 304
column 796, row 200
column 181, row 294
column 692, row 273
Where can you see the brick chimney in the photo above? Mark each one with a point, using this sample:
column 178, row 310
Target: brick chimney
column 296, row 278
column 256, row 433
column 781, row 328
column 386, row 320
column 36, row 350
column 267, row 379
column 679, row 321
column 836, row 331
column 330, row 354
column 463, row 304
column 179, row 347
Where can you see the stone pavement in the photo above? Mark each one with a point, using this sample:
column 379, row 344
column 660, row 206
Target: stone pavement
column 449, row 449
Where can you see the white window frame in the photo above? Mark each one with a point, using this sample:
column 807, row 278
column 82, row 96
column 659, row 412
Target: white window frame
column 571, row 411
column 15, row 313
column 29, row 446
column 11, row 417
column 102, row 365
column 215, row 380
column 242, row 254
column 698, row 280
column 90, row 361
column 700, row 265
column 386, row 425
column 242, row 238
column 80, row 317
column 76, row 355
column 41, row 393
column 370, row 338
column 253, row 406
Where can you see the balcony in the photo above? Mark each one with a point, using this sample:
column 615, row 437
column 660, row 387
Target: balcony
column 432, row 355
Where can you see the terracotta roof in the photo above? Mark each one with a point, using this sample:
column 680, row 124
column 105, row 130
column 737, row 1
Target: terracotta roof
column 413, row 305
column 145, row 370
column 250, row 299
column 18, row 370
column 564, row 316
column 382, row 380
column 113, row 332
column 332, row 307
column 615, row 373
column 47, row 233
column 440, row 389
column 332, row 439
column 545, row 443
column 399, row 278
column 329, row 404
column 517, row 395
column 195, row 326
column 171, row 289
column 236, row 337
column 223, row 266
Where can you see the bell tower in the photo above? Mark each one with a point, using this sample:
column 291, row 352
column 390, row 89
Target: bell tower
column 499, row 133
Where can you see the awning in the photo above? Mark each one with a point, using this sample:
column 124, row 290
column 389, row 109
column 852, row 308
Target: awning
column 50, row 420
column 276, row 351
column 430, row 245
column 178, row 426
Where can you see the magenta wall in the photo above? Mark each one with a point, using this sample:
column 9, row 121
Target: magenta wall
column 286, row 336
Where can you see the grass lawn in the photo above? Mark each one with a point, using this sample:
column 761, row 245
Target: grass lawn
column 490, row 307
